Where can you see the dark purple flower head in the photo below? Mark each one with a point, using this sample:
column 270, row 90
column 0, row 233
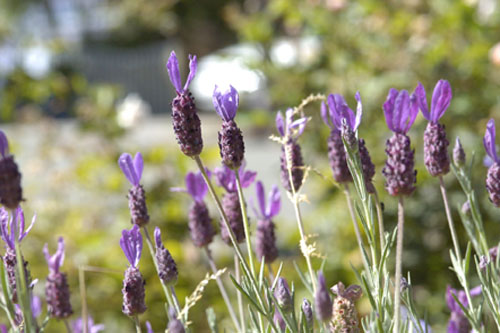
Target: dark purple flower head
column 226, row 177
column 322, row 300
column 77, row 325
column 174, row 74
column 226, row 103
column 132, row 168
column 273, row 205
column 452, row 304
column 289, row 127
column 57, row 259
column 400, row 110
column 283, row 295
column 338, row 110
column 308, row 313
column 489, row 140
column 131, row 244
column 441, row 98
column 8, row 226
column 4, row 144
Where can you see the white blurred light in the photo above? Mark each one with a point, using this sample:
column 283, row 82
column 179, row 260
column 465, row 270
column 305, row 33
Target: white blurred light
column 284, row 52
column 36, row 61
column 131, row 110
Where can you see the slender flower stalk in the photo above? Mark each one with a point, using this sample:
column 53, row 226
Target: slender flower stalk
column 132, row 168
column 400, row 110
column 187, row 125
column 11, row 192
column 57, row 289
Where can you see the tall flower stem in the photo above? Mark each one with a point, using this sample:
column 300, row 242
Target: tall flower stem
column 170, row 301
column 83, row 296
column 222, row 289
column 67, row 325
column 240, row 298
column 399, row 256
column 355, row 223
column 298, row 215
column 380, row 218
column 137, row 325
column 450, row 219
column 246, row 226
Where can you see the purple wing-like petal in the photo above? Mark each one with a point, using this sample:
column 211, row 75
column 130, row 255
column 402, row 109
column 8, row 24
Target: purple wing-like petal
column 191, row 184
column 148, row 327
column 325, row 114
column 22, row 232
column 137, row 239
column 280, row 124
column 413, row 108
column 489, row 140
column 389, row 108
column 36, row 306
column 173, row 72
column 4, row 144
column 226, row 103
column 359, row 111
column 138, row 165
column 288, row 119
column 158, row 241
column 127, row 166
column 4, row 228
column 261, row 197
column 422, row 100
column 193, row 66
column 247, row 178
column 201, row 186
column 274, row 203
column 401, row 110
column 225, row 177
column 216, row 100
column 57, row 259
column 441, row 98
column 124, row 244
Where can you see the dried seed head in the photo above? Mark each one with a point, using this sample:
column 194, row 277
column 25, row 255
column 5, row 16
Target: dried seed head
column 200, row 224
column 399, row 170
column 293, row 152
column 436, row 157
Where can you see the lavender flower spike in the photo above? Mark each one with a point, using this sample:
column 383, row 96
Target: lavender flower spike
column 77, row 325
column 283, row 295
column 308, row 313
column 291, row 153
column 133, row 284
column 136, row 195
column 458, row 322
column 400, row 112
column 493, row 177
column 11, row 192
column 231, row 145
column 436, row 144
column 167, row 268
column 340, row 110
column 322, row 300
column 57, row 289
column 226, row 178
column 265, row 237
column 186, row 123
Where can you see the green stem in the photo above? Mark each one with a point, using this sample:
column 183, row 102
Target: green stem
column 83, row 296
column 246, row 226
column 240, row 297
column 399, row 256
column 222, row 289
column 380, row 218
column 68, row 327
column 137, row 324
column 450, row 219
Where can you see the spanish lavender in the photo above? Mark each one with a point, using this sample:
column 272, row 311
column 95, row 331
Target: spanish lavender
column 291, row 154
column 226, row 178
column 493, row 177
column 308, row 313
column 459, row 156
column 322, row 300
column 436, row 158
column 167, row 268
column 57, row 293
column 9, row 227
column 265, row 239
column 200, row 224
column 283, row 295
column 133, row 284
column 136, row 195
column 231, row 145
column 11, row 192
column 174, row 325
column 187, row 125
column 400, row 112
column 458, row 322
column 345, row 316
column 77, row 326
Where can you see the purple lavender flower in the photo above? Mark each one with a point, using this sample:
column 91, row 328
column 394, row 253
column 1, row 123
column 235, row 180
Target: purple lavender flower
column 400, row 112
column 493, row 177
column 57, row 293
column 322, row 300
column 133, row 284
column 279, row 321
column 200, row 224
column 11, row 192
column 458, row 322
column 187, row 125
column 226, row 178
column 136, row 195
column 174, row 324
column 308, row 313
column 436, row 144
column 77, row 325
column 283, row 296
column 265, row 242
column 167, row 268
column 231, row 145
column 291, row 154
column 459, row 156
column 8, row 228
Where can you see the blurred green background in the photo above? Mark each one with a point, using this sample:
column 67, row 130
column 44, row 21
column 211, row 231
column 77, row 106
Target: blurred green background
column 82, row 81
